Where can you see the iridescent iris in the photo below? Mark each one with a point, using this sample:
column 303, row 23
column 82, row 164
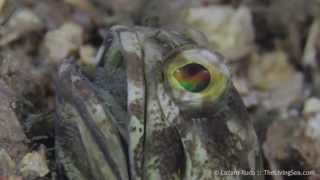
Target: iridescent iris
column 192, row 77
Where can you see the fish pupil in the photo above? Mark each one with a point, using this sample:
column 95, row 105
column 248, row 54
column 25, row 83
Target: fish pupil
column 193, row 77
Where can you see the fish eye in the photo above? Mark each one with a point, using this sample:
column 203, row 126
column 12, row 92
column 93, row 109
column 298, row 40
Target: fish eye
column 193, row 77
column 196, row 76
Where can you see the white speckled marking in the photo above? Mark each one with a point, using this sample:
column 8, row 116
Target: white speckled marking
column 236, row 129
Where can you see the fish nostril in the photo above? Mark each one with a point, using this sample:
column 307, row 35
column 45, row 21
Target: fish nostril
column 193, row 77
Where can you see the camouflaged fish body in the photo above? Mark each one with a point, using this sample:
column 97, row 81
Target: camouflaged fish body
column 158, row 106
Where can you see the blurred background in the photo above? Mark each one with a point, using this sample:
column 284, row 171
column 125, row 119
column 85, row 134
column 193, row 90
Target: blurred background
column 272, row 48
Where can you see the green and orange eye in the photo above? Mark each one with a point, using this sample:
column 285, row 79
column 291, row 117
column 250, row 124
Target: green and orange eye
column 196, row 75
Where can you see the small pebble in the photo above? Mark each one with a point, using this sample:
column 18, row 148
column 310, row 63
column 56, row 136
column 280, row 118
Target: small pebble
column 34, row 164
column 312, row 106
column 60, row 43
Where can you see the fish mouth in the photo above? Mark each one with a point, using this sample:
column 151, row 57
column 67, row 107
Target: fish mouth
column 87, row 128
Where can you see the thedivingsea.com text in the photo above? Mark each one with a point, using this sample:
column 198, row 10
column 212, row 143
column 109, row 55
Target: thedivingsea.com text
column 263, row 173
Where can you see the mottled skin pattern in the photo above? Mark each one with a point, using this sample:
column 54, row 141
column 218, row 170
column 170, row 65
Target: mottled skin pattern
column 129, row 121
